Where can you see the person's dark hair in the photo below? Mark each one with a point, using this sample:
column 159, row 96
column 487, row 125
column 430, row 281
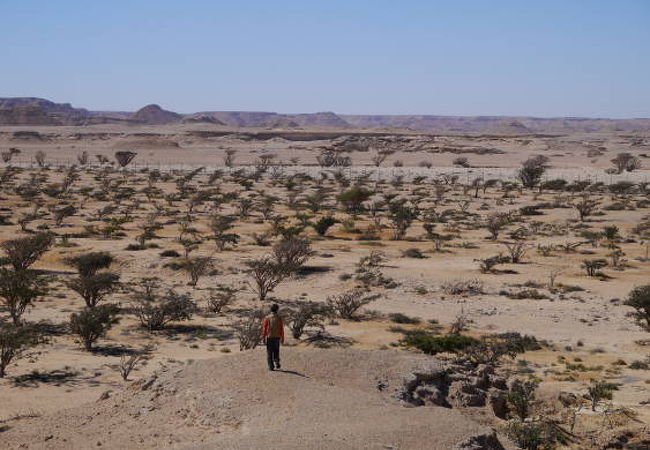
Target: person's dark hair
column 274, row 307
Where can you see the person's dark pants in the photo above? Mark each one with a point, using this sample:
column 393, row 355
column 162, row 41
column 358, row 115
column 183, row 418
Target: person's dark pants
column 273, row 352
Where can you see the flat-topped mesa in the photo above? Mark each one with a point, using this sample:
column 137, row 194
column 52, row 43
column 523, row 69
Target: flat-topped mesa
column 202, row 118
column 39, row 111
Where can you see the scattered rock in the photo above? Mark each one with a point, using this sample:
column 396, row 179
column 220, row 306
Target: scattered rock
column 483, row 441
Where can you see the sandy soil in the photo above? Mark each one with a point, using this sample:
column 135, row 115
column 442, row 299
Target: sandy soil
column 589, row 326
column 325, row 399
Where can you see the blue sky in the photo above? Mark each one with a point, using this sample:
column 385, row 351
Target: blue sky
column 463, row 57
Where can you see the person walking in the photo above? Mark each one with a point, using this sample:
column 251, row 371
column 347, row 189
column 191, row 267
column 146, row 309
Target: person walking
column 273, row 335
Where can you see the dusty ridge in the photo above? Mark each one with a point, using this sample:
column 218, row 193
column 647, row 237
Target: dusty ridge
column 38, row 111
column 326, row 399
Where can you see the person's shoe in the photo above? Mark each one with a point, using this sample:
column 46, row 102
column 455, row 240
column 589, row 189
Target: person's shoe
column 277, row 365
column 271, row 369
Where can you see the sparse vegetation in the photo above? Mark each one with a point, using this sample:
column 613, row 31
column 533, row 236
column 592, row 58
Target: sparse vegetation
column 247, row 233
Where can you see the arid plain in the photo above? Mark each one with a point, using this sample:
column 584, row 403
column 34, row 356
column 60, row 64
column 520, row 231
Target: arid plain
column 433, row 233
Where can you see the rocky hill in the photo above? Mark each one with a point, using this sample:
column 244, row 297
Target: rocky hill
column 37, row 111
column 155, row 115
column 201, row 118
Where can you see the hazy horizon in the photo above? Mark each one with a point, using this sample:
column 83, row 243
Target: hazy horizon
column 467, row 58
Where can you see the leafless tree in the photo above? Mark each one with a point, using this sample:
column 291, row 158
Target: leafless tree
column 381, row 156
column 586, row 206
column 516, row 250
column 83, row 158
column 496, row 222
column 128, row 363
column 266, row 275
column 460, row 324
column 626, row 162
column 229, row 158
column 39, row 157
column 198, row 267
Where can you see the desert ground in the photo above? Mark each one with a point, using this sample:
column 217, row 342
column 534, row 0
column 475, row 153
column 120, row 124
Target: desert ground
column 474, row 292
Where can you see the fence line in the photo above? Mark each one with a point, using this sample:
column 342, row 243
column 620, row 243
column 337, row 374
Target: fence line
column 409, row 172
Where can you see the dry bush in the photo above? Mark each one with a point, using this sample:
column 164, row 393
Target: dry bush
column 307, row 314
column 472, row 286
column 249, row 330
column 268, row 271
column 219, row 299
column 460, row 324
column 129, row 363
column 155, row 311
column 516, row 250
column 39, row 157
column 496, row 222
column 585, row 206
column 488, row 265
column 348, row 303
column 369, row 271
column 266, row 275
column 291, row 254
column 198, row 267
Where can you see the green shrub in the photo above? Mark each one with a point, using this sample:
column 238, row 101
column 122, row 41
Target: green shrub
column 639, row 365
column 324, row 224
column 15, row 343
column 639, row 299
column 92, row 323
column 534, row 435
column 403, row 319
column 432, row 345
column 413, row 253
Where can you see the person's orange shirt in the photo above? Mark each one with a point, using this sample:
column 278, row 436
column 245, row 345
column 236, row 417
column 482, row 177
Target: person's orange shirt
column 273, row 327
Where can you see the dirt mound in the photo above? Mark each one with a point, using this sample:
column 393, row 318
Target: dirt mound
column 343, row 399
